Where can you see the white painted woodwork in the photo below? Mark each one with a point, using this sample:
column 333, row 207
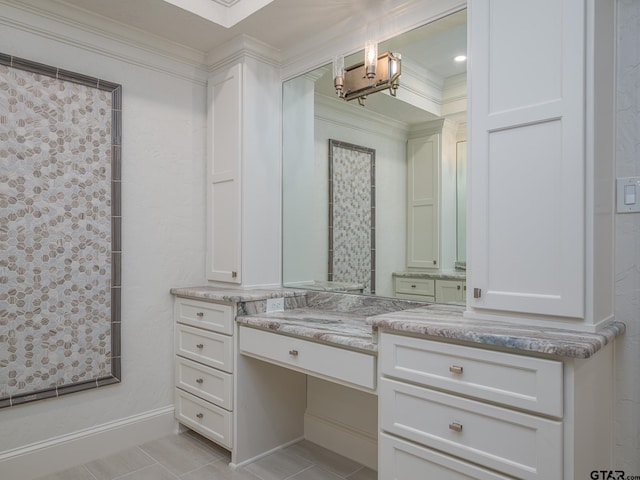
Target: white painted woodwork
column 402, row 460
column 224, row 176
column 244, row 207
column 343, row 420
column 423, row 219
column 514, row 443
column 204, row 417
column 535, row 147
column 526, row 383
column 520, row 415
column 415, row 286
column 450, row 291
column 210, row 348
column 207, row 383
column 216, row 317
column 337, row 364
column 269, row 408
column 204, row 366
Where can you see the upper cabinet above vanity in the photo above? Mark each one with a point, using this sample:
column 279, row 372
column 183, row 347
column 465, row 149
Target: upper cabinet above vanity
column 541, row 198
column 243, row 169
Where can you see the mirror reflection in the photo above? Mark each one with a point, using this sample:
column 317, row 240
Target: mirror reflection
column 374, row 196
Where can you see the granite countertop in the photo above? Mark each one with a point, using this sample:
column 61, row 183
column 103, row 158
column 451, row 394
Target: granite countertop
column 352, row 322
column 234, row 295
column 340, row 329
column 435, row 274
column 447, row 322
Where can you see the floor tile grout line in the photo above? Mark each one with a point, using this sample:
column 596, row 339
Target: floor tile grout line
column 301, row 471
column 84, row 465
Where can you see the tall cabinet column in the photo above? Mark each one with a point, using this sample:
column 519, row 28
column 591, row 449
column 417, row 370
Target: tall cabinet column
column 243, row 171
column 540, row 197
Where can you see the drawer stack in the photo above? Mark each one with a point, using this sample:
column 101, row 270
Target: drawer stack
column 456, row 412
column 204, row 368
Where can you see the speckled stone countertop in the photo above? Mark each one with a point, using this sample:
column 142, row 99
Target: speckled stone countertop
column 446, row 322
column 341, row 329
column 435, row 274
column 352, row 321
column 234, row 295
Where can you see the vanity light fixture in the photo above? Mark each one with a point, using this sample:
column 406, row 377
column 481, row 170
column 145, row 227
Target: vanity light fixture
column 376, row 73
column 460, row 58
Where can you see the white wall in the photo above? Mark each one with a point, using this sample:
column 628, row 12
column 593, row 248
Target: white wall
column 627, row 268
column 389, row 142
column 164, row 120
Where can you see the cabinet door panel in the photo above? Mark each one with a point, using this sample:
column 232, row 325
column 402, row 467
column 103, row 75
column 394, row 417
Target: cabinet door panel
column 401, row 460
column 514, row 443
column 527, row 194
column 423, row 214
column 223, row 195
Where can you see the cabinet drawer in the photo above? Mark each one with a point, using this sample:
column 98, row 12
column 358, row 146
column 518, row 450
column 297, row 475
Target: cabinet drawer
column 403, row 460
column 212, row 349
column 528, row 383
column 309, row 357
column 211, row 421
column 205, row 382
column 511, row 442
column 415, row 286
column 210, row 316
column 416, row 298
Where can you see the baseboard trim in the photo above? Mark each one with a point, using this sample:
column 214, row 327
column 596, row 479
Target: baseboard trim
column 353, row 444
column 268, row 452
column 82, row 446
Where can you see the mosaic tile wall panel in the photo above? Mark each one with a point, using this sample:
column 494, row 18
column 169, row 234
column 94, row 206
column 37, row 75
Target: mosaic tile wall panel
column 59, row 231
column 352, row 215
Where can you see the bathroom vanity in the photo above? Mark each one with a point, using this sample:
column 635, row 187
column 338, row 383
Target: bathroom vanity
column 475, row 399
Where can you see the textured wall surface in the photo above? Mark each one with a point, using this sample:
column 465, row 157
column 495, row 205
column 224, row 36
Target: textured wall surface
column 627, row 433
column 163, row 215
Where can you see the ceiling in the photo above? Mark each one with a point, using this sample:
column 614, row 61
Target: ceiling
column 280, row 23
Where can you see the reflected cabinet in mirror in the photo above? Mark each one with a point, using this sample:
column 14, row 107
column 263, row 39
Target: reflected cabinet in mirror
column 402, row 215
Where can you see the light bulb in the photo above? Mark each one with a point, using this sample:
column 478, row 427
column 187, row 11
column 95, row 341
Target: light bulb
column 370, row 59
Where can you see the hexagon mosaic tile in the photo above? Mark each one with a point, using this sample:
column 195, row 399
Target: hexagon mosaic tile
column 55, row 232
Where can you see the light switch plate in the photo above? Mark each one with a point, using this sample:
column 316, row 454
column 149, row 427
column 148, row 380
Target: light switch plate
column 628, row 194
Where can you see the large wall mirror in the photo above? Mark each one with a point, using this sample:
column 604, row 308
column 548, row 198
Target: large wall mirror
column 418, row 139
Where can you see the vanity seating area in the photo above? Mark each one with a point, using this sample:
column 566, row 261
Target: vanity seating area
column 477, row 398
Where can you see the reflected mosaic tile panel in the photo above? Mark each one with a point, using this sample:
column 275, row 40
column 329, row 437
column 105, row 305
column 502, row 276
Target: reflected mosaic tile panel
column 352, row 215
column 56, row 271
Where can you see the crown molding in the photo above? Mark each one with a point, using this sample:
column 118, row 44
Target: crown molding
column 55, row 20
column 349, row 36
column 239, row 47
column 340, row 113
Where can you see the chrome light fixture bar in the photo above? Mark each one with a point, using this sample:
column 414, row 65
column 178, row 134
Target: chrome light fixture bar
column 367, row 77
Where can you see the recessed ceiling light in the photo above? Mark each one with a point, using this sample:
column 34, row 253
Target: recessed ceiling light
column 460, row 58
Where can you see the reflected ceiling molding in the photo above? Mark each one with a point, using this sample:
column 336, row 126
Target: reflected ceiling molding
column 221, row 12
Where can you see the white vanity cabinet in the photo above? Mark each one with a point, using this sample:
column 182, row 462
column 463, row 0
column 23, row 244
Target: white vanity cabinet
column 540, row 199
column 450, row 291
column 461, row 412
column 431, row 194
column 243, row 166
column 204, row 368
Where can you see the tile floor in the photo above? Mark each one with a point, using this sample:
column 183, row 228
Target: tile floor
column 188, row 456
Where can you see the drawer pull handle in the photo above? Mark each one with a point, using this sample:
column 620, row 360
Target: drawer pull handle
column 200, row 345
column 199, row 380
column 199, row 415
column 413, row 286
column 455, row 369
column 293, row 353
column 456, row 427
column 200, row 314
